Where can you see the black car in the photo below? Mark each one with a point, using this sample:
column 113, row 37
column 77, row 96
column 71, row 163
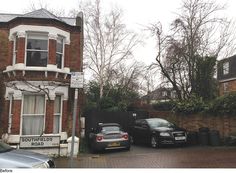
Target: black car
column 108, row 136
column 156, row 132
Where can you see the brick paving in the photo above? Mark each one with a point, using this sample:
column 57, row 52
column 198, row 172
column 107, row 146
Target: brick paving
column 145, row 157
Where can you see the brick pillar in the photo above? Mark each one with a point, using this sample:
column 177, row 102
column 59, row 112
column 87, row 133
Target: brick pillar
column 20, row 58
column 52, row 49
column 226, row 125
column 4, row 117
column 65, row 115
column 16, row 117
column 49, row 116
column 67, row 55
column 10, row 52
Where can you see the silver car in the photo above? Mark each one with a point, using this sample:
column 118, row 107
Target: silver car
column 108, row 136
column 13, row 158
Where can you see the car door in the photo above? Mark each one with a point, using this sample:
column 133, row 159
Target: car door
column 144, row 132
column 136, row 131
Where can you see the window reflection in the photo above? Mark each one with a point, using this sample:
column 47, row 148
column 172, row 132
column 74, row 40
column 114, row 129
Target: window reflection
column 37, row 50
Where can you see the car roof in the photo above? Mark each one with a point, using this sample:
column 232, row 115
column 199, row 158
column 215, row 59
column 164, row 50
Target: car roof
column 108, row 124
column 147, row 119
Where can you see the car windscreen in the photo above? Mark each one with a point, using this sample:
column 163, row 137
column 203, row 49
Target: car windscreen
column 153, row 123
column 110, row 128
column 4, row 147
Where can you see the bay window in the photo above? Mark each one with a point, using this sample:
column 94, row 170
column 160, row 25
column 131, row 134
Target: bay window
column 37, row 49
column 33, row 114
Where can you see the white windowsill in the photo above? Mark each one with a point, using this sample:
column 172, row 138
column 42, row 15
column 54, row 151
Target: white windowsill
column 49, row 68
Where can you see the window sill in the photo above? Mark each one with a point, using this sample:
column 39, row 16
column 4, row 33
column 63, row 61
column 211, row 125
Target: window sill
column 49, row 68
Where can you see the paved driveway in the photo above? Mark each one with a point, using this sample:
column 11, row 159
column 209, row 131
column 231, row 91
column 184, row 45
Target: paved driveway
column 145, row 157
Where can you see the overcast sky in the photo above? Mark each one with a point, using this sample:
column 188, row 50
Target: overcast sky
column 137, row 13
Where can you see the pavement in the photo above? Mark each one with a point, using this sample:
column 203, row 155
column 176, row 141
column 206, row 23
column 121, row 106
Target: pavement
column 145, row 157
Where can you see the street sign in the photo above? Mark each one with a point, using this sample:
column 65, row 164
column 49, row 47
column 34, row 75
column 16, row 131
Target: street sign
column 39, row 141
column 77, row 80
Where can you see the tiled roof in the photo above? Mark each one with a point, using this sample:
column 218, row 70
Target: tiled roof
column 8, row 17
column 41, row 13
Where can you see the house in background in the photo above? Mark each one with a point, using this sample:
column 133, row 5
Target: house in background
column 161, row 94
column 38, row 52
column 226, row 75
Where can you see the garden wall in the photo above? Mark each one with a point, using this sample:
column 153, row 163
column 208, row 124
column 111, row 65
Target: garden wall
column 225, row 124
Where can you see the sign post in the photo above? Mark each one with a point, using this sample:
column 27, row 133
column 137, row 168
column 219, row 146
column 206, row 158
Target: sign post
column 77, row 80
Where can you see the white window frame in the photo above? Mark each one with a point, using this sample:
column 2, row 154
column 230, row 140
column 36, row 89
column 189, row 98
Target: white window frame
column 225, row 86
column 164, row 93
column 22, row 115
column 63, row 50
column 226, row 68
column 43, row 34
column 173, row 94
column 59, row 114
column 15, row 40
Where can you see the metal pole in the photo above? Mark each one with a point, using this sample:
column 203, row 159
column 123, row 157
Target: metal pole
column 73, row 127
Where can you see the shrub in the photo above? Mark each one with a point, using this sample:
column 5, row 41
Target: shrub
column 191, row 106
column 224, row 105
column 164, row 106
column 106, row 103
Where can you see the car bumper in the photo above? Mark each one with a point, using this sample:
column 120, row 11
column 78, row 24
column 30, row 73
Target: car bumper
column 109, row 145
column 171, row 140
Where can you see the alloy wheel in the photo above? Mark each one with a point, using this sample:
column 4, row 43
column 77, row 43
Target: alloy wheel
column 154, row 143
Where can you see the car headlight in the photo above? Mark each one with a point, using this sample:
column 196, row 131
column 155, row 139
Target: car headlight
column 41, row 165
column 164, row 134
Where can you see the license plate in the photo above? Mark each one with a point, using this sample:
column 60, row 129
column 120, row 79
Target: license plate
column 180, row 138
column 114, row 144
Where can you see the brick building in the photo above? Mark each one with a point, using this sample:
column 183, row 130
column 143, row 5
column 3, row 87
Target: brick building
column 38, row 52
column 226, row 75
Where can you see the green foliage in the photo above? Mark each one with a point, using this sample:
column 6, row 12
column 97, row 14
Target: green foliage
column 90, row 106
column 191, row 106
column 106, row 103
column 115, row 98
column 164, row 106
column 224, row 105
column 205, row 85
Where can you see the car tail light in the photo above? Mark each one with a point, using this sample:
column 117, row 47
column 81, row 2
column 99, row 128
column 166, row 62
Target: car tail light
column 99, row 138
column 125, row 136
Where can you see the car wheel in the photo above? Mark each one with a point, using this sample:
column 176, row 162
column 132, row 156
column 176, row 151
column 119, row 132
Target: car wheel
column 128, row 148
column 132, row 140
column 154, row 142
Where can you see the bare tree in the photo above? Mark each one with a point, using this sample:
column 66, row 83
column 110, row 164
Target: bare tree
column 107, row 43
column 197, row 32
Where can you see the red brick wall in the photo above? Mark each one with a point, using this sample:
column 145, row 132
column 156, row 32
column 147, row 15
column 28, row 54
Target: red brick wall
column 4, row 49
column 231, row 87
column 16, row 111
column 65, row 115
column 4, row 117
column 67, row 56
column 10, row 53
column 20, row 58
column 49, row 116
column 225, row 124
column 75, row 60
column 52, row 52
